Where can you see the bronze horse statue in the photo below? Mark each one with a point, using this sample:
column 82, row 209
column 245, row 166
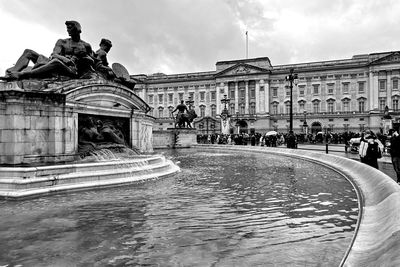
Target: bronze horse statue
column 185, row 119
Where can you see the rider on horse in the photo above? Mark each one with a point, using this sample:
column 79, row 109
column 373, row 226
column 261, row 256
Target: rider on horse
column 181, row 110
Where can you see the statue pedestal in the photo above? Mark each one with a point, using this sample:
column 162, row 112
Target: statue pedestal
column 174, row 138
column 39, row 118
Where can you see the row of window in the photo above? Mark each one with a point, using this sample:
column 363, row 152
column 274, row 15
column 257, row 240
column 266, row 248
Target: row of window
column 316, row 106
column 316, row 89
column 383, row 103
column 331, row 105
column 185, row 87
column 242, row 89
column 232, row 110
column 332, row 127
column 170, row 97
column 330, row 88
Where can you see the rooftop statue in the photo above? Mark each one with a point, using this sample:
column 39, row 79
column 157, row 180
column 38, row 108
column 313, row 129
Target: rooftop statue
column 72, row 58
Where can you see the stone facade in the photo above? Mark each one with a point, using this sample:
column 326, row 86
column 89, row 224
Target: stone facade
column 39, row 121
column 337, row 95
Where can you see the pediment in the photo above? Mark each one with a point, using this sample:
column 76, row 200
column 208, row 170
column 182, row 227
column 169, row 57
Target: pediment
column 242, row 69
column 391, row 58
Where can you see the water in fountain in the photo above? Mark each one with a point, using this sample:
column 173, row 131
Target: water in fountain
column 223, row 209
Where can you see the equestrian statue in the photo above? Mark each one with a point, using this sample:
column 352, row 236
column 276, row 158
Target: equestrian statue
column 185, row 116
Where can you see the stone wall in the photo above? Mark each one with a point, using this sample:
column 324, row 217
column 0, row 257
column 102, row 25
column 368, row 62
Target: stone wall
column 39, row 120
column 36, row 127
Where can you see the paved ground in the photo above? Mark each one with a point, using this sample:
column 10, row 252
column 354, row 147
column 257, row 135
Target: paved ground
column 385, row 163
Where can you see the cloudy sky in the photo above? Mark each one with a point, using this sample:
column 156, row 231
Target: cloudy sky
column 180, row 36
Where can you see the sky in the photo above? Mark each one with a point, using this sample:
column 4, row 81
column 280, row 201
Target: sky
column 183, row 36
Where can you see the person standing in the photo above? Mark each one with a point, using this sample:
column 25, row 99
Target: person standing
column 291, row 140
column 395, row 153
column 370, row 149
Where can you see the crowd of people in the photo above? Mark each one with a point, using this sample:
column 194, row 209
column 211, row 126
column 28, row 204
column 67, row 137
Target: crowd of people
column 278, row 139
column 370, row 148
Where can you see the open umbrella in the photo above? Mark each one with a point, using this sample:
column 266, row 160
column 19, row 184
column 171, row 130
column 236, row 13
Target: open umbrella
column 271, row 133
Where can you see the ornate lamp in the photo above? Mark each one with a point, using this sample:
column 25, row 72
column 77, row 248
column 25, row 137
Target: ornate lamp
column 291, row 78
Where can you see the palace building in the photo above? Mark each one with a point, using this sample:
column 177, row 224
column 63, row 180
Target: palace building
column 336, row 95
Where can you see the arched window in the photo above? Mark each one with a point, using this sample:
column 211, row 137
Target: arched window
column 202, row 111
column 275, row 108
column 213, row 111
column 252, row 109
column 232, row 109
column 160, row 112
column 242, row 110
column 302, row 106
column 316, row 106
column 395, row 103
column 346, row 104
column 361, row 104
column 287, row 107
column 330, row 105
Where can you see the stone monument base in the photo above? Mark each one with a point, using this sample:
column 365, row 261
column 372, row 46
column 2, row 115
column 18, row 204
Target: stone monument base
column 174, row 138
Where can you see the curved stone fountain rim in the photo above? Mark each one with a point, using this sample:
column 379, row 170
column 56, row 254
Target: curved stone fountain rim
column 376, row 239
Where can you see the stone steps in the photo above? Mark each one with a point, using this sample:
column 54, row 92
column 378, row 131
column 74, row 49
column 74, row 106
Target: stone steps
column 33, row 181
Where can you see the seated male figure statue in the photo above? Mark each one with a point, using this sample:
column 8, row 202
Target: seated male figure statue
column 101, row 64
column 71, row 57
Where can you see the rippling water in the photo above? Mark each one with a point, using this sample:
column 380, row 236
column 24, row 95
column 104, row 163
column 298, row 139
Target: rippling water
column 222, row 209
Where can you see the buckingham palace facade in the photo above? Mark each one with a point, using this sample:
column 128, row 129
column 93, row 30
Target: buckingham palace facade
column 336, row 95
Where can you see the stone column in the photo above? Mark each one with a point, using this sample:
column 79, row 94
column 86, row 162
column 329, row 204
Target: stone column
column 236, row 97
column 373, row 90
column 388, row 92
column 258, row 102
column 266, row 96
column 218, row 97
column 246, row 97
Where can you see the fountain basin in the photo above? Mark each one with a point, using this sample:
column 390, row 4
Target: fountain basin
column 23, row 182
column 376, row 241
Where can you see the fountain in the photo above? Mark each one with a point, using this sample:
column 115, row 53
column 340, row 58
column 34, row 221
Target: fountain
column 56, row 116
column 64, row 124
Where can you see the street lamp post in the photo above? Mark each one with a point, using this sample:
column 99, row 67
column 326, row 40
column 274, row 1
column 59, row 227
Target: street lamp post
column 225, row 101
column 291, row 78
column 224, row 116
column 305, row 122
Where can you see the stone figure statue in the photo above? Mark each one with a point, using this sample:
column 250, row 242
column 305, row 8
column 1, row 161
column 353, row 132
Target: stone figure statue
column 185, row 116
column 101, row 64
column 71, row 57
column 95, row 134
column 181, row 108
column 89, row 135
column 110, row 132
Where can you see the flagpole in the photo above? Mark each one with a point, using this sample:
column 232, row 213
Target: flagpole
column 247, row 45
